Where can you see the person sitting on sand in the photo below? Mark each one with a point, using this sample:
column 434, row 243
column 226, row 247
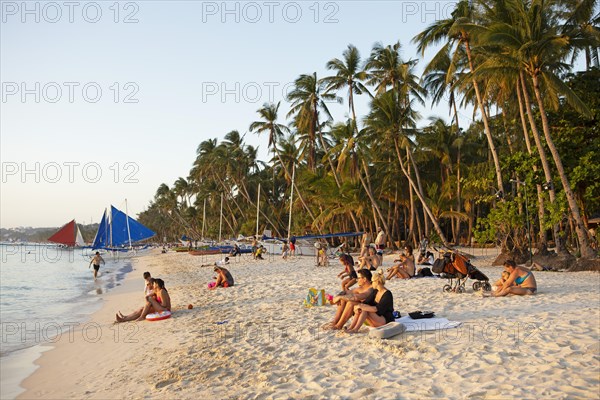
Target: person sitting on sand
column 156, row 302
column 520, row 281
column 406, row 267
column 148, row 291
column 370, row 262
column 426, row 259
column 348, row 272
column 345, row 303
column 377, row 309
column 149, row 288
column 223, row 278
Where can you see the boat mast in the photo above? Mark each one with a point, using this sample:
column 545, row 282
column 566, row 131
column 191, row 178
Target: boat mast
column 127, row 221
column 291, row 202
column 221, row 218
column 257, row 209
column 203, row 218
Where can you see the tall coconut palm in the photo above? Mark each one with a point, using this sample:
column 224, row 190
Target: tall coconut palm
column 348, row 75
column 269, row 115
column 456, row 32
column 308, row 98
column 540, row 47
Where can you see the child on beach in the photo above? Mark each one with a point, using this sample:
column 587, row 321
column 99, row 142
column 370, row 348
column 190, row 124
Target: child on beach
column 520, row 281
column 498, row 284
column 96, row 260
column 348, row 272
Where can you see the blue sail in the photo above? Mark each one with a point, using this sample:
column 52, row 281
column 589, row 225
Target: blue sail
column 121, row 224
column 117, row 228
column 101, row 240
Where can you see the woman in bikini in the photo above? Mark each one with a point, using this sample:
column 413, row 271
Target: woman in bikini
column 520, row 282
column 156, row 302
column 378, row 308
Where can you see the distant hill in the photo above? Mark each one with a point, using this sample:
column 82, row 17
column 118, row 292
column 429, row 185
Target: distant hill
column 41, row 235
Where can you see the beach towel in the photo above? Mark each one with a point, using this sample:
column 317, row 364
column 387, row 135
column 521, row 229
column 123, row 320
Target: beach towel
column 315, row 298
column 427, row 324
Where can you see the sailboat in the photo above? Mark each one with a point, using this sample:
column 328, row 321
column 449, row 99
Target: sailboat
column 118, row 231
column 69, row 235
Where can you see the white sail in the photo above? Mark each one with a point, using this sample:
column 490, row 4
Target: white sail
column 79, row 239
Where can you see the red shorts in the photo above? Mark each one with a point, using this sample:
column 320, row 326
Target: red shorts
column 225, row 284
column 292, row 247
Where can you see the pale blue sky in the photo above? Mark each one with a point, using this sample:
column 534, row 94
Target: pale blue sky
column 172, row 60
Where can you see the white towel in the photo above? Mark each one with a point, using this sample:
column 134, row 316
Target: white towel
column 427, row 324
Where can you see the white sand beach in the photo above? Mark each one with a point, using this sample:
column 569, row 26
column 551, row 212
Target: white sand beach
column 257, row 340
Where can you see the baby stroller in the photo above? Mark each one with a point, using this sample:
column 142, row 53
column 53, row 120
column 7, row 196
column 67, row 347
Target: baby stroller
column 457, row 268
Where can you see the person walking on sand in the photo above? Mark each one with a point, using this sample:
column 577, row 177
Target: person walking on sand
column 96, row 260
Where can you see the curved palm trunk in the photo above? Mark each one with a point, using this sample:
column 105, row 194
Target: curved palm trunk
column 586, row 249
column 434, row 221
column 371, row 197
column 543, row 158
column 488, row 132
column 543, row 245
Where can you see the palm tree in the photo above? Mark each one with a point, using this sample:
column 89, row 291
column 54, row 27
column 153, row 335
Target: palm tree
column 540, row 47
column 269, row 114
column 308, row 97
column 348, row 75
column 456, row 31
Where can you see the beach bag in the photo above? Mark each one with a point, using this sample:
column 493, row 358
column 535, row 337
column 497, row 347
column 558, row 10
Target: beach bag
column 315, row 298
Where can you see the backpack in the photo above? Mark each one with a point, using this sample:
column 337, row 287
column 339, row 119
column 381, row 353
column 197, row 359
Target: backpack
column 440, row 264
column 315, row 298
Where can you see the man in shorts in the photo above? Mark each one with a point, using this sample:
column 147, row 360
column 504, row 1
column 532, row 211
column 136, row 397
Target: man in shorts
column 96, row 261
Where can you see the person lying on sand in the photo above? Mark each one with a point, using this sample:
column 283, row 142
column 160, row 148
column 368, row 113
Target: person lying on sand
column 372, row 261
column 223, row 278
column 520, row 281
column 377, row 309
column 345, row 303
column 156, row 302
column 406, row 267
column 349, row 273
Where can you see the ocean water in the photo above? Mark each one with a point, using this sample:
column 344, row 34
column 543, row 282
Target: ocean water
column 46, row 291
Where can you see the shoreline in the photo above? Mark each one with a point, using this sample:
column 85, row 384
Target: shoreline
column 258, row 335
column 21, row 363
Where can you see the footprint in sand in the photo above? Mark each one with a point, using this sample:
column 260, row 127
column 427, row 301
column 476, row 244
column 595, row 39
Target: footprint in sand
column 162, row 384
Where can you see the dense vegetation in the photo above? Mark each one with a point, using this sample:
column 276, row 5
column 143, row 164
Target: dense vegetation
column 528, row 164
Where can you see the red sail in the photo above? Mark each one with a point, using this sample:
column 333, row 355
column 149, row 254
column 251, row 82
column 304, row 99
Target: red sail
column 66, row 235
